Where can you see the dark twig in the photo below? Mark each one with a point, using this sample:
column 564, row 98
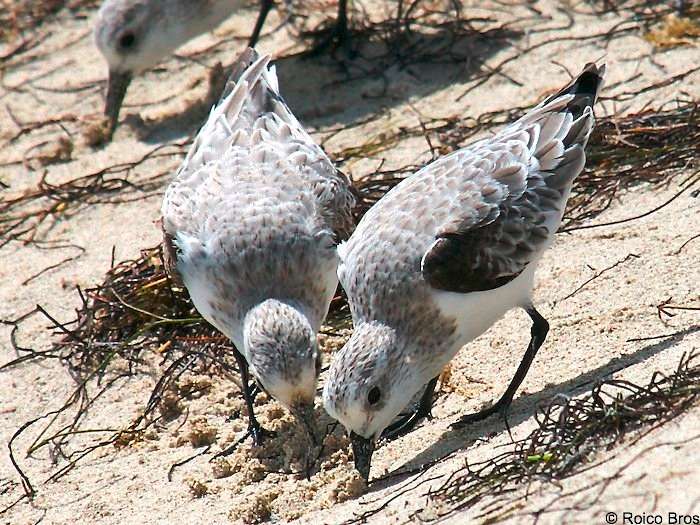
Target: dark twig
column 628, row 257
column 571, row 433
column 666, row 308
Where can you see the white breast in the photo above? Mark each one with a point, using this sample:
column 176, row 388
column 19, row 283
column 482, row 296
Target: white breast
column 476, row 312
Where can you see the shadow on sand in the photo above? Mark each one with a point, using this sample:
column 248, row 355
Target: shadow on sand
column 325, row 90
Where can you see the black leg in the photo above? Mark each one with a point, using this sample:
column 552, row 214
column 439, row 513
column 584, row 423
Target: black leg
column 538, row 333
column 407, row 423
column 254, row 391
column 338, row 35
column 341, row 22
column 255, row 430
column 265, row 6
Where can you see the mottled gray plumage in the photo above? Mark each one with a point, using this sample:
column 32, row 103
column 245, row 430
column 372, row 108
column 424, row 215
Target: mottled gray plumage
column 448, row 251
column 251, row 222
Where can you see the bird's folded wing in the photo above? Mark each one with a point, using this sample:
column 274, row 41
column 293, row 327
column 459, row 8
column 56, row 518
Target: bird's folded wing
column 522, row 178
column 252, row 128
column 499, row 231
column 336, row 198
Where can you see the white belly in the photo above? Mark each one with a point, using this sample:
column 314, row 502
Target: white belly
column 475, row 312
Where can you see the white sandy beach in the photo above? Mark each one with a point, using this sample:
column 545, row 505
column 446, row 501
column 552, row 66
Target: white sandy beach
column 588, row 339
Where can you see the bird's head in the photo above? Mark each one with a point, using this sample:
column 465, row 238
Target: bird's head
column 283, row 355
column 370, row 381
column 133, row 36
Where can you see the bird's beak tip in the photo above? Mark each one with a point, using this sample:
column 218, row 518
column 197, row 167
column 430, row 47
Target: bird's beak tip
column 305, row 413
column 362, row 449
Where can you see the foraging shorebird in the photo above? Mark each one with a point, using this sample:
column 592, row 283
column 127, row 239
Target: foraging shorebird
column 447, row 253
column 134, row 35
column 251, row 223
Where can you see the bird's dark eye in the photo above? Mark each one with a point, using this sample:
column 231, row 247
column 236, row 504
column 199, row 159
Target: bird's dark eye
column 374, row 396
column 127, row 40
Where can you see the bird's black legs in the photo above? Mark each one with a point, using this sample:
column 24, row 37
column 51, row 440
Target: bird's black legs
column 538, row 333
column 338, row 35
column 265, row 6
column 341, row 22
column 408, row 422
column 255, row 429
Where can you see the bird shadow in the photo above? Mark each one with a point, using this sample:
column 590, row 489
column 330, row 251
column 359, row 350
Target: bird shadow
column 383, row 73
column 524, row 407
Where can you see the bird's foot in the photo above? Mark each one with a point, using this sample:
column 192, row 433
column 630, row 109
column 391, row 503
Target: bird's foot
column 469, row 419
column 333, row 38
column 260, row 434
column 405, row 424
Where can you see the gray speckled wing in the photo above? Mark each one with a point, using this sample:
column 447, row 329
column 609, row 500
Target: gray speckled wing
column 474, row 219
column 528, row 169
column 256, row 208
column 252, row 118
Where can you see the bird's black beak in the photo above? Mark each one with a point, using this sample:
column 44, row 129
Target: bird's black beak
column 362, row 449
column 116, row 89
column 305, row 414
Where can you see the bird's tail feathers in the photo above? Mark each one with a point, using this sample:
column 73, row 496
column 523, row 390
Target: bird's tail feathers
column 250, row 101
column 561, row 125
column 252, row 96
column 585, row 89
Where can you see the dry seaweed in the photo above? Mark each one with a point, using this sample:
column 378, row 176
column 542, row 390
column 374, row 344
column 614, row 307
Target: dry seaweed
column 650, row 147
column 408, row 33
column 665, row 310
column 126, row 318
column 20, row 16
column 22, row 217
column 628, row 257
column 570, row 435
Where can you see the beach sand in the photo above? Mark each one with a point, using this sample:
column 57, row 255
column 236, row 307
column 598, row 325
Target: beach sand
column 589, row 340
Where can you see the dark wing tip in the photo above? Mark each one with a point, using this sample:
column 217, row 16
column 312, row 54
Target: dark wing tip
column 456, row 263
column 590, row 81
column 585, row 88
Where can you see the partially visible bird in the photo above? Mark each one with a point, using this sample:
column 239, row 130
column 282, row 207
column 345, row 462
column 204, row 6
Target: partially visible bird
column 251, row 222
column 135, row 35
column 444, row 255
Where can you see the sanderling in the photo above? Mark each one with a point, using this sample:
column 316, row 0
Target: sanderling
column 134, row 35
column 445, row 254
column 251, row 224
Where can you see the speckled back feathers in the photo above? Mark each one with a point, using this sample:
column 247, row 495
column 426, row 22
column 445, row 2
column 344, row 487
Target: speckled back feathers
column 256, row 208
